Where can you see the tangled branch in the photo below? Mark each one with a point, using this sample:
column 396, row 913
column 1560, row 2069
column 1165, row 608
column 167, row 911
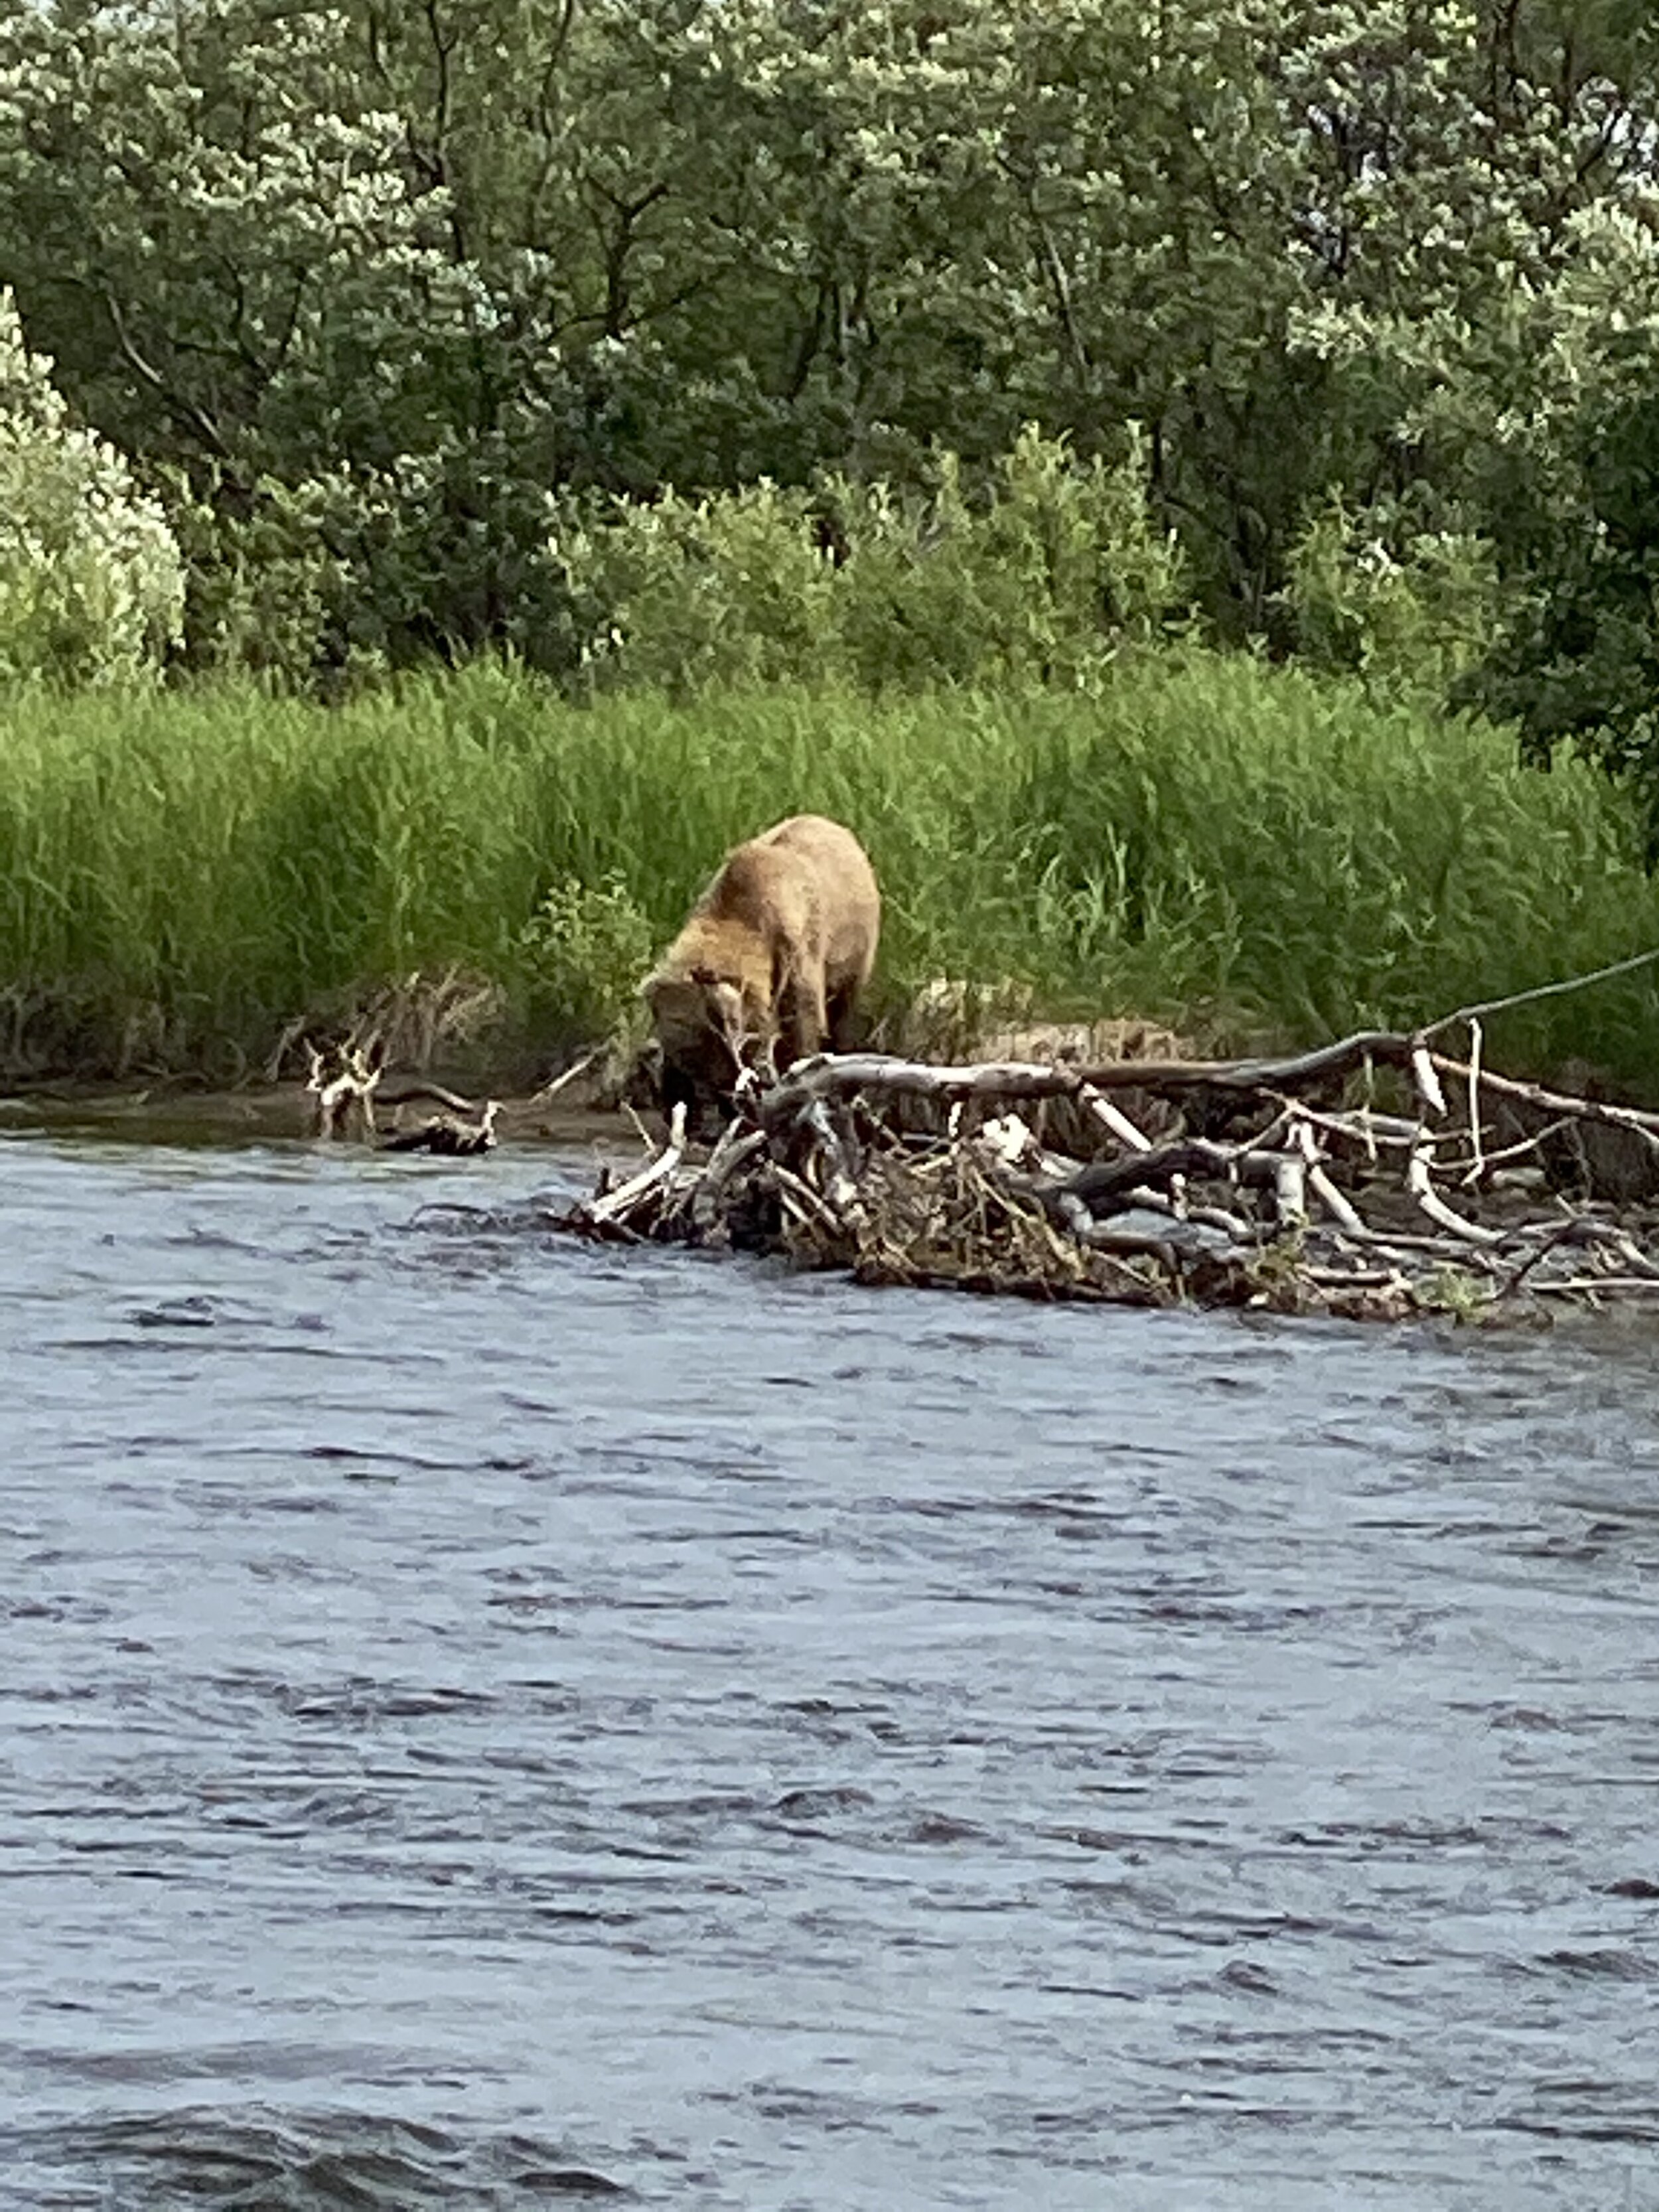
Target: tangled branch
column 1286, row 1183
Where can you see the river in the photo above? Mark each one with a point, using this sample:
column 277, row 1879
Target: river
column 488, row 1722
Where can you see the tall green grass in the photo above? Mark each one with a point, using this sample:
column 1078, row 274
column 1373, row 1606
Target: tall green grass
column 182, row 876
column 1275, row 847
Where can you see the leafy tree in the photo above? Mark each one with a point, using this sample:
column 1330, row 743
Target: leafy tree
column 1571, row 470
column 373, row 289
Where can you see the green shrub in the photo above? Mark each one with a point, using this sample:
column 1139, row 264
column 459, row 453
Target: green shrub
column 703, row 592
column 328, row 583
column 583, row 949
column 1041, row 576
column 91, row 581
column 1413, row 618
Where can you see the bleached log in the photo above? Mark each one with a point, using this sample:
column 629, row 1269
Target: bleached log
column 1477, row 1167
column 840, row 1074
column 1362, row 1126
column 1342, row 1210
column 600, row 1210
column 347, row 1098
column 573, row 1074
column 1290, row 1190
column 1419, row 1182
column 1427, row 1077
column 1113, row 1118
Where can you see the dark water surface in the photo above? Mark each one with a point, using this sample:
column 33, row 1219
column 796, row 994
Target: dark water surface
column 485, row 1721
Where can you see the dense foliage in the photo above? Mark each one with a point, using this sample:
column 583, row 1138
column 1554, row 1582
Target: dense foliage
column 382, row 293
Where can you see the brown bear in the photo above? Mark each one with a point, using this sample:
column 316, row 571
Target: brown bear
column 770, row 962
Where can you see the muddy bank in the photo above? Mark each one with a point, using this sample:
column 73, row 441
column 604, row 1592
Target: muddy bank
column 270, row 1114
column 593, row 1098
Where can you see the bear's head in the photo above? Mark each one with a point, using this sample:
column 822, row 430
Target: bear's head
column 708, row 1038
column 698, row 1014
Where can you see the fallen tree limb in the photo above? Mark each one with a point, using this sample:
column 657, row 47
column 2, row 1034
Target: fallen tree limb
column 1114, row 1119
column 418, row 1087
column 345, row 1100
column 1104, row 1183
column 578, row 1069
column 845, row 1075
column 1421, row 1182
column 1559, row 1102
column 1555, row 990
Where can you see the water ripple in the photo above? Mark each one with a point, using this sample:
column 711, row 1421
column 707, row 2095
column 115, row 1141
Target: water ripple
column 491, row 1723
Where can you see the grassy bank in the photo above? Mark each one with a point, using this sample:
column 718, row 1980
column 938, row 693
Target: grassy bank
column 183, row 875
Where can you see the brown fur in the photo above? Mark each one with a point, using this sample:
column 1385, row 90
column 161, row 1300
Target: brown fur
column 771, row 959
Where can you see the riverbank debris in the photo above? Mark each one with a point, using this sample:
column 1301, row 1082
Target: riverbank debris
column 347, row 1094
column 449, row 1135
column 1374, row 1178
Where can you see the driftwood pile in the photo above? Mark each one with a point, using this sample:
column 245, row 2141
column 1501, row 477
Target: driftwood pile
column 1374, row 1178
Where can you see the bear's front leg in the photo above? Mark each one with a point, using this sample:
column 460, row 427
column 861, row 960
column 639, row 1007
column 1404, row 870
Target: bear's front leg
column 841, row 1026
column 801, row 1020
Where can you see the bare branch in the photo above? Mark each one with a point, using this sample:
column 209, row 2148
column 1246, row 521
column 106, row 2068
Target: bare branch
column 188, row 409
column 1540, row 991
